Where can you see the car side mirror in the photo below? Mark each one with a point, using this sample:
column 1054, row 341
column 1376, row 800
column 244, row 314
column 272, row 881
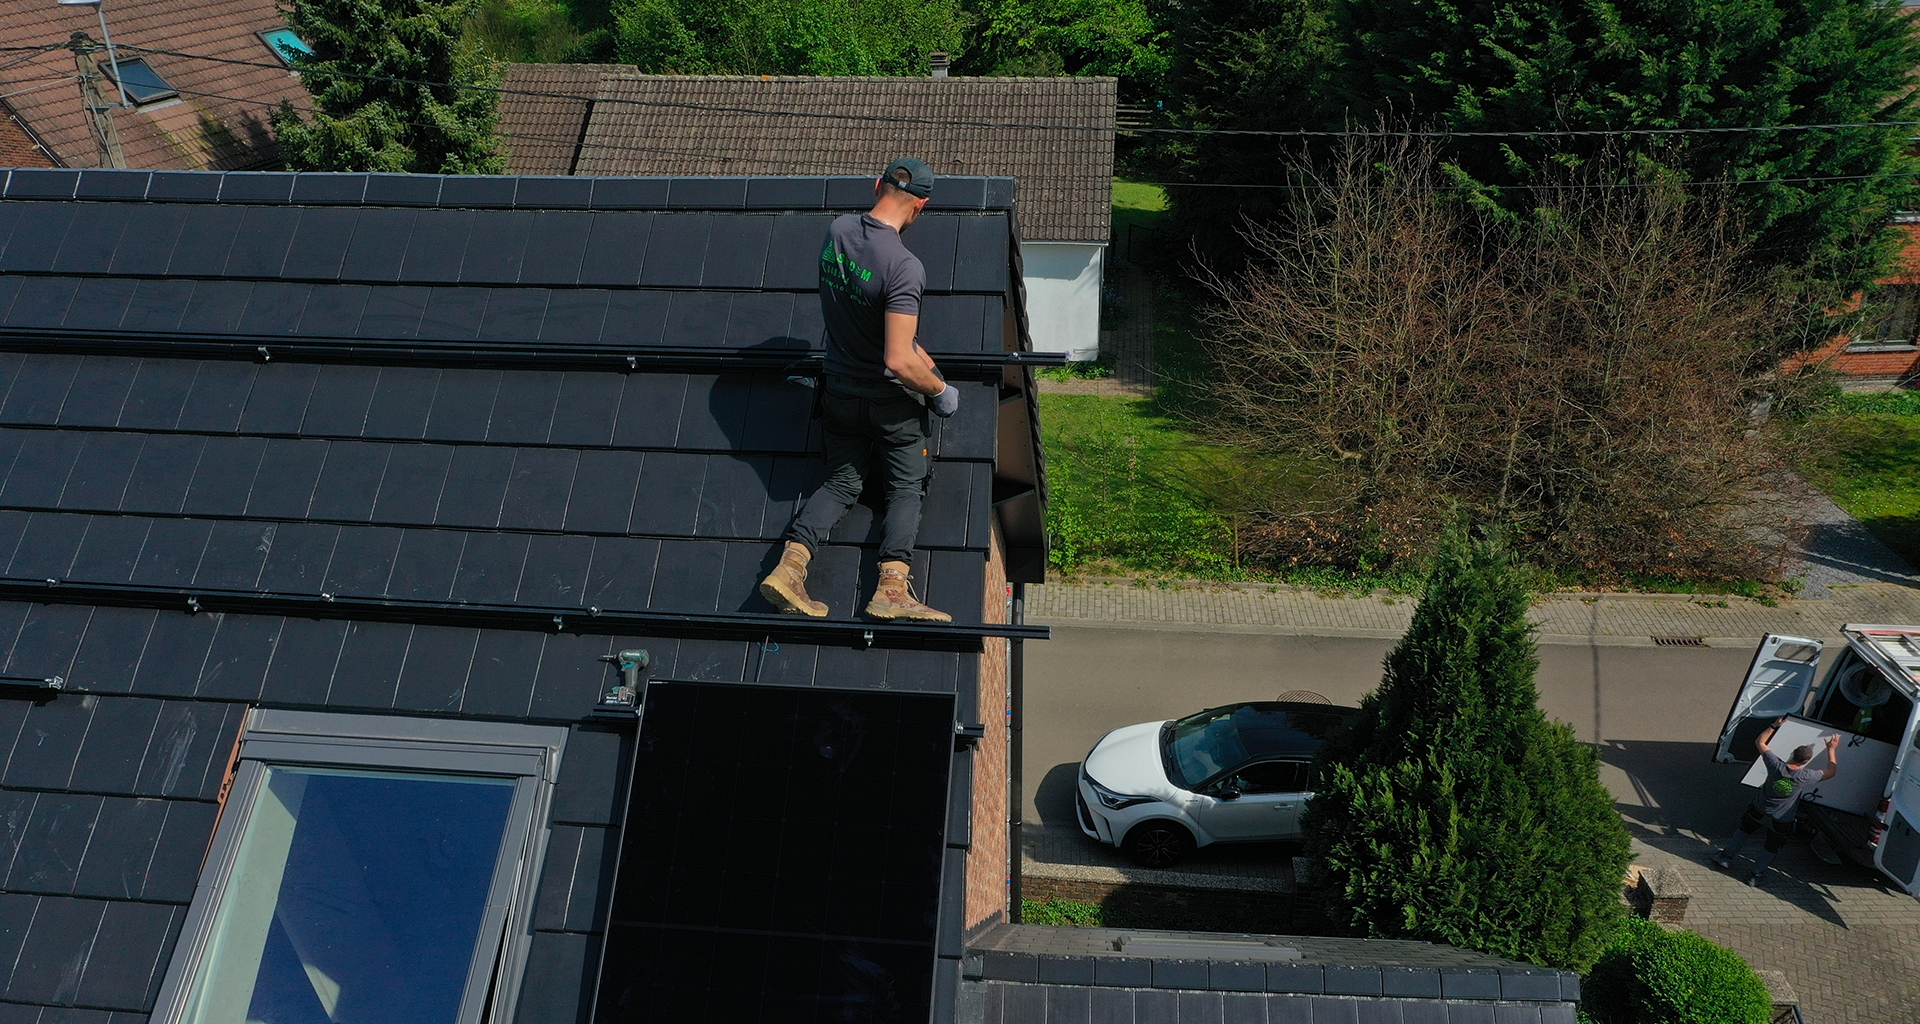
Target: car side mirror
column 1227, row 793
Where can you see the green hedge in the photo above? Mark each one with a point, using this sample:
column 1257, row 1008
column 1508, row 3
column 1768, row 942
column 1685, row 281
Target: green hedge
column 1649, row 975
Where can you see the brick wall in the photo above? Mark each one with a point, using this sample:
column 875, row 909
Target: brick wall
column 1892, row 365
column 17, row 148
column 987, row 860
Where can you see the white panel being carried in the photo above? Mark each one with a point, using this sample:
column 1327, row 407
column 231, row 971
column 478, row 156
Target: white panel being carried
column 1864, row 764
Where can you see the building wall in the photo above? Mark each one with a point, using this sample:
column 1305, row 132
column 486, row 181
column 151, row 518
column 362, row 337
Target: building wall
column 1877, row 362
column 1063, row 296
column 987, row 860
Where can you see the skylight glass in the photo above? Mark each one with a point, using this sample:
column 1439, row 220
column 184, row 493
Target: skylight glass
column 286, row 45
column 143, row 84
column 356, row 896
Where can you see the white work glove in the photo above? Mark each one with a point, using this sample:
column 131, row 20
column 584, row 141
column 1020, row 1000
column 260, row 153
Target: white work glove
column 946, row 403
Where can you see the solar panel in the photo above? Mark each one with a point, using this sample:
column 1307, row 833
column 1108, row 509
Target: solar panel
column 781, row 858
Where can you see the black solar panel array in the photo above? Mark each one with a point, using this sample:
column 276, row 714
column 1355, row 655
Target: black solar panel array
column 782, row 859
column 173, row 472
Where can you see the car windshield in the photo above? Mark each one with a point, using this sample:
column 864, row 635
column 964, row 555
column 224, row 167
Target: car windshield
column 1201, row 746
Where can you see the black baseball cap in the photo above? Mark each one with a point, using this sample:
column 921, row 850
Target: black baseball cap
column 918, row 180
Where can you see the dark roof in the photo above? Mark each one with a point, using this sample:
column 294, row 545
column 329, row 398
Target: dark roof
column 220, row 117
column 782, row 125
column 434, row 446
column 1040, row 975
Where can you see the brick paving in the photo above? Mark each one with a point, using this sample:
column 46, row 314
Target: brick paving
column 1561, row 618
column 1844, row 942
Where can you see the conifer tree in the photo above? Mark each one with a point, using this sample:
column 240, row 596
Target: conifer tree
column 1452, row 809
column 1817, row 201
column 386, row 77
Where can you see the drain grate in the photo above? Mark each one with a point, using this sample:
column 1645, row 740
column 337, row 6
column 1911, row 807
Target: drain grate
column 1680, row 641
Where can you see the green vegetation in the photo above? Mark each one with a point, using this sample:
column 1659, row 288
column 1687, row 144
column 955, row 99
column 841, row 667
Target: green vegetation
column 536, row 31
column 1514, row 65
column 1649, row 975
column 1864, row 451
column 785, row 37
column 1063, row 37
column 1060, row 913
column 1122, row 490
column 1452, row 809
column 360, row 124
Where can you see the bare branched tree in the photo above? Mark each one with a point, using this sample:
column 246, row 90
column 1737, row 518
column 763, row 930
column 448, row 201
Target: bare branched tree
column 1587, row 378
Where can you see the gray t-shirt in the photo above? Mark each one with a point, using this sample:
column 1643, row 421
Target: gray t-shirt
column 1781, row 792
column 865, row 273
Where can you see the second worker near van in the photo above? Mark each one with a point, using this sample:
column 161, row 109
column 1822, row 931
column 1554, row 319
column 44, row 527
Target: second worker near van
column 877, row 390
column 1775, row 808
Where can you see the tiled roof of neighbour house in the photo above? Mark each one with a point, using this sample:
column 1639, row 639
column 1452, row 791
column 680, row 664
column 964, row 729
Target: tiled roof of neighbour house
column 406, row 444
column 1041, row 975
column 543, row 113
column 18, row 148
column 219, row 120
column 683, row 124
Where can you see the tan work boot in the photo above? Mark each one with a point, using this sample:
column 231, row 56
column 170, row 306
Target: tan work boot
column 893, row 598
column 786, row 585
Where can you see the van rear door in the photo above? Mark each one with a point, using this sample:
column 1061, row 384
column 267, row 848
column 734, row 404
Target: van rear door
column 1898, row 853
column 1777, row 684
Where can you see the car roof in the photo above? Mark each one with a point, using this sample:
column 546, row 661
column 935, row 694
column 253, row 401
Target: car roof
column 1273, row 728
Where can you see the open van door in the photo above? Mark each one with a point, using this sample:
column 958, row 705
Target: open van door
column 1898, row 853
column 1777, row 684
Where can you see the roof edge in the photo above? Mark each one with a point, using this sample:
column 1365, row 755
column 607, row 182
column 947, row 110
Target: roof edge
column 502, row 191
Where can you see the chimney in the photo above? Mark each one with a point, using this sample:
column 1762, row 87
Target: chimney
column 939, row 63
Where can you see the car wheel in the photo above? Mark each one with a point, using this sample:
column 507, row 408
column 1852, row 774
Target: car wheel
column 1158, row 844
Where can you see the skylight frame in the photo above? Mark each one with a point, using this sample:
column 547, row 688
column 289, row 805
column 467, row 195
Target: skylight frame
column 530, row 754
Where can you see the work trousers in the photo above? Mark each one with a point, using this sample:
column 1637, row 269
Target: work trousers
column 862, row 435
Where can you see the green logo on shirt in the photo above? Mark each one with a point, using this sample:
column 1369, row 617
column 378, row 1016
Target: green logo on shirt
column 838, row 271
column 1781, row 787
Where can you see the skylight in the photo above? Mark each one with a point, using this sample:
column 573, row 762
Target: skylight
column 143, row 84
column 286, row 45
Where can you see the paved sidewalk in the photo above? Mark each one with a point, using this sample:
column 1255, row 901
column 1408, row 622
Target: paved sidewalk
column 1561, row 618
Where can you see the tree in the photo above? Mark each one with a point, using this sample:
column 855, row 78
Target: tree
column 784, row 37
column 1237, row 65
column 1590, row 378
column 394, row 89
column 1452, row 809
column 1524, row 65
column 1049, row 38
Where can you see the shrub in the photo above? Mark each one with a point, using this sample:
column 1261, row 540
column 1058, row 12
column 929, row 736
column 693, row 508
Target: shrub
column 1593, row 378
column 1451, row 809
column 1653, row 976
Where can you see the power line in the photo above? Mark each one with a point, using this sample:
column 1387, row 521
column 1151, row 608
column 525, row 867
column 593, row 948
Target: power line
column 950, row 122
column 568, row 140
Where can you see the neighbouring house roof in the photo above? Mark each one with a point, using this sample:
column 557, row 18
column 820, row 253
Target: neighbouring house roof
column 543, row 113
column 1041, row 975
column 1055, row 135
column 218, row 121
column 413, row 445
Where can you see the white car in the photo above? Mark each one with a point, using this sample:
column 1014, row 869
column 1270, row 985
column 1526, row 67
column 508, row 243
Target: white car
column 1233, row 774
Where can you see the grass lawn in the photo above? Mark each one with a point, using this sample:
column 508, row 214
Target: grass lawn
column 1121, row 491
column 1868, row 461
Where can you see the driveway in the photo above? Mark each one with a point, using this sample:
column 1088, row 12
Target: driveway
column 1845, row 943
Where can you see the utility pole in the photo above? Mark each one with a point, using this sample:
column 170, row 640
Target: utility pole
column 99, row 111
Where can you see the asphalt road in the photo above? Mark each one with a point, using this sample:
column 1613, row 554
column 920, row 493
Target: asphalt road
column 1656, row 711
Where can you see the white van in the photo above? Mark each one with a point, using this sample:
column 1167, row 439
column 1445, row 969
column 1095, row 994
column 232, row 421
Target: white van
column 1870, row 811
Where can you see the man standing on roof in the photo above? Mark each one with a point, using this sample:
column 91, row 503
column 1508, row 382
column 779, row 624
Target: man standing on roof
column 1779, row 795
column 877, row 390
